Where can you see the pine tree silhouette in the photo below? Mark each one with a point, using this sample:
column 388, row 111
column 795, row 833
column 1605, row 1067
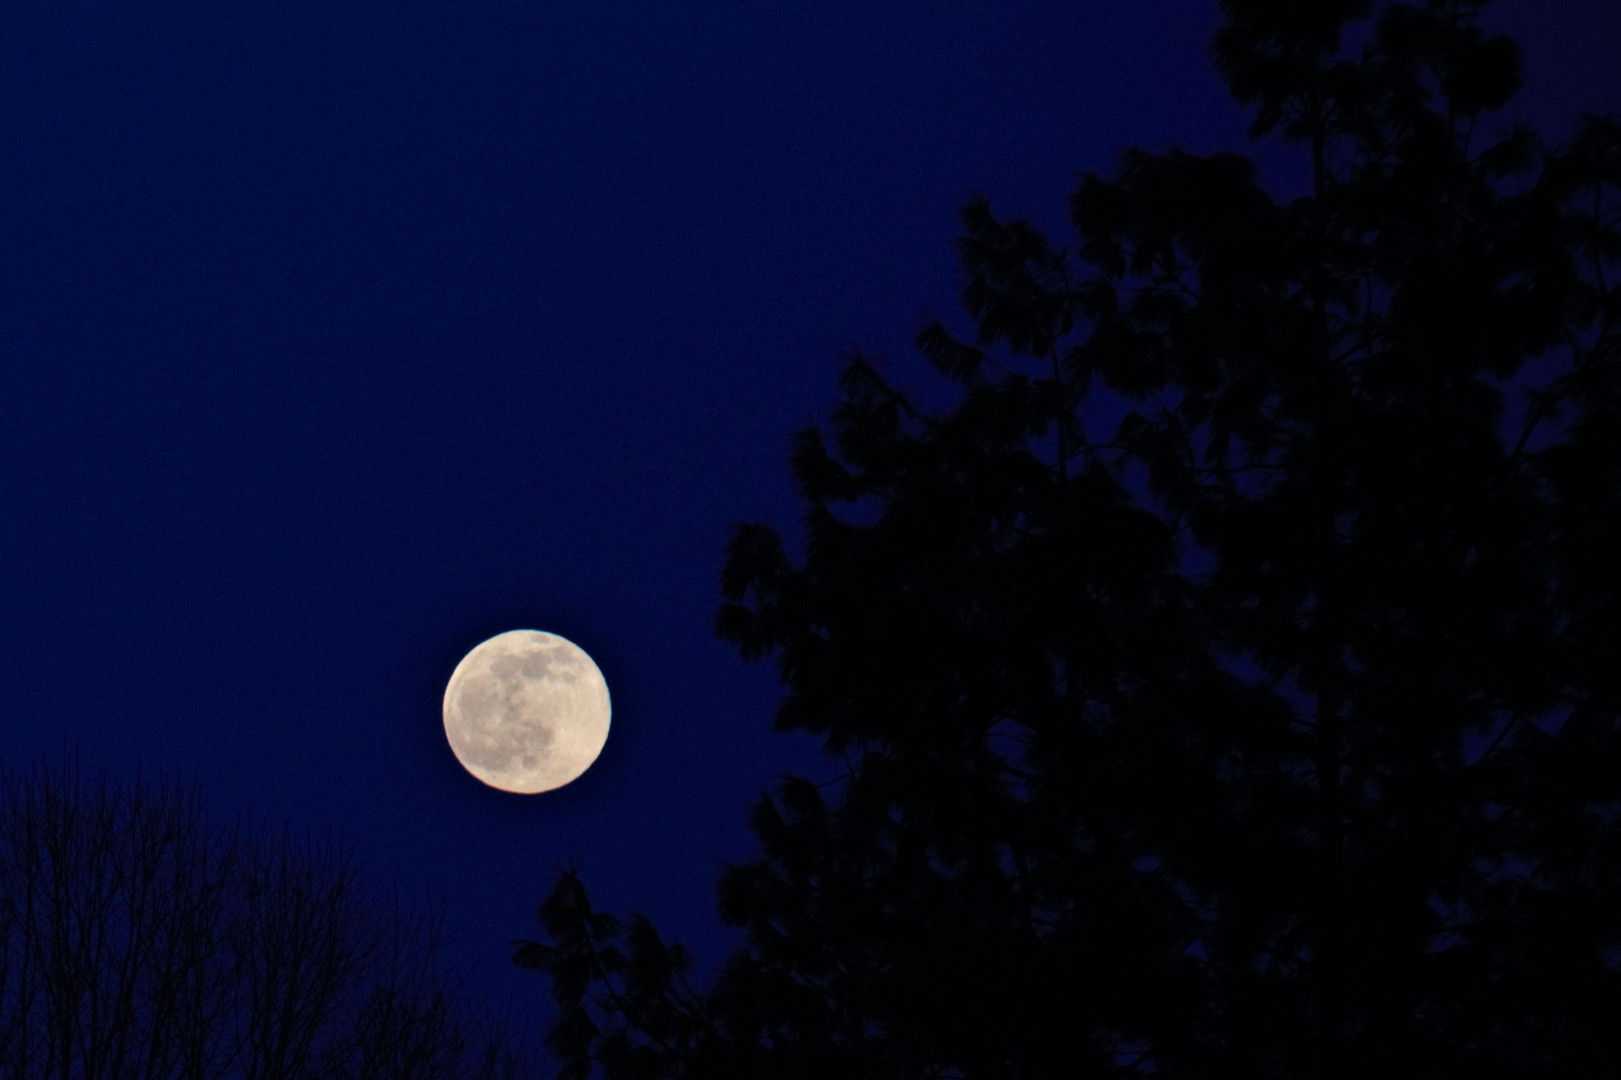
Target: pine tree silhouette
column 1273, row 734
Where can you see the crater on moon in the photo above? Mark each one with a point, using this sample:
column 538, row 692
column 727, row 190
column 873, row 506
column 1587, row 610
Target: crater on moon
column 526, row 711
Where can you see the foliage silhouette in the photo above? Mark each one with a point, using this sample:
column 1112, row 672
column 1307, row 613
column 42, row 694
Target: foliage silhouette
column 1273, row 734
column 139, row 941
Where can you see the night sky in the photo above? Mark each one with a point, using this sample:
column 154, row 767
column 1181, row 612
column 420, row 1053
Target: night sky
column 337, row 337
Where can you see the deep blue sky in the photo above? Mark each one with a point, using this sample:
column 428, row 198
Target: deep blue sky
column 336, row 337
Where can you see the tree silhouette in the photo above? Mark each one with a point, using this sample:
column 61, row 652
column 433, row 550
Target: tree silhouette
column 138, row 941
column 1273, row 733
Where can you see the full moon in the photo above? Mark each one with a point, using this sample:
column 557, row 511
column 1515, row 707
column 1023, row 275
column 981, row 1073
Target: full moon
column 526, row 711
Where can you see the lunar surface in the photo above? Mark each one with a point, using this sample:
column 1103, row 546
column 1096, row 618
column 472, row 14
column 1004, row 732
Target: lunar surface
column 526, row 711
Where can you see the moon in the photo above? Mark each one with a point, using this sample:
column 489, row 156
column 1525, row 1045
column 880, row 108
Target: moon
column 526, row 711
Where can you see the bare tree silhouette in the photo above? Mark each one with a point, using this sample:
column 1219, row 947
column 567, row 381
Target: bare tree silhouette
column 139, row 941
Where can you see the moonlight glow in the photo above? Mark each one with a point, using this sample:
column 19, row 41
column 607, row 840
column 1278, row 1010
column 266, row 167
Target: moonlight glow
column 526, row 711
